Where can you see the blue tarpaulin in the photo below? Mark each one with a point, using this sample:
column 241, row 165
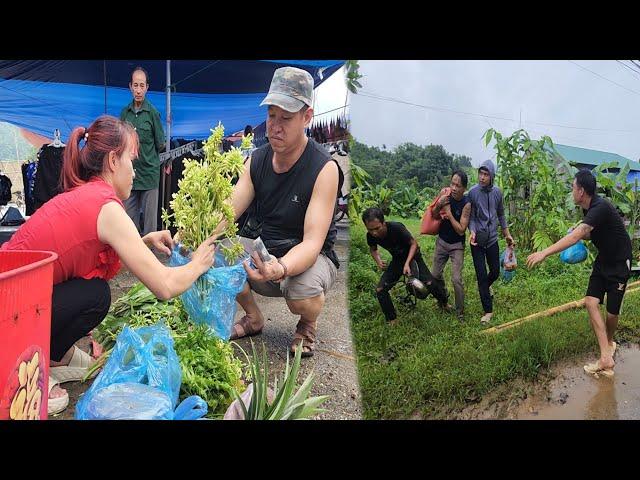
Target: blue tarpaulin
column 44, row 95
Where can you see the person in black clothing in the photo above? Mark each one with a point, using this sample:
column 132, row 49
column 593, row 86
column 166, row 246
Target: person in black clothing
column 294, row 184
column 611, row 268
column 405, row 259
column 451, row 236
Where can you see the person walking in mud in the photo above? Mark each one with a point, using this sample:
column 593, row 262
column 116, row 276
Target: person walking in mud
column 405, row 259
column 487, row 210
column 611, row 269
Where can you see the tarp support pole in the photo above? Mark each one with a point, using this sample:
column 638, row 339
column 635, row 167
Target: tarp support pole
column 168, row 145
column 104, row 72
column 165, row 184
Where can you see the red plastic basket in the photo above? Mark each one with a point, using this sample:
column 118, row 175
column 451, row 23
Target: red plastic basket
column 26, row 285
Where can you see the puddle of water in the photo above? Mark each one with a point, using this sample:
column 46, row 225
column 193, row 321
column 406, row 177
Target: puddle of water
column 588, row 398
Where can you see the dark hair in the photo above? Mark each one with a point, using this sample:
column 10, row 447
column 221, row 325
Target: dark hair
column 106, row 134
column 371, row 214
column 463, row 177
column 585, row 179
column 140, row 69
column 247, row 130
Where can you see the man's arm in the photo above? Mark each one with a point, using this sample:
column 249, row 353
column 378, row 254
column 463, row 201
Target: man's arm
column 243, row 191
column 462, row 225
column 582, row 232
column 158, row 132
column 316, row 221
column 507, row 236
column 472, row 222
column 442, row 201
column 373, row 250
column 412, row 252
column 243, row 194
column 503, row 221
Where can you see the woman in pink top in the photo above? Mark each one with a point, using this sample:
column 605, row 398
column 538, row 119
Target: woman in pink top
column 89, row 229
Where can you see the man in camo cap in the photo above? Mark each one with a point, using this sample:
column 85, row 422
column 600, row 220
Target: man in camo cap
column 291, row 89
column 294, row 184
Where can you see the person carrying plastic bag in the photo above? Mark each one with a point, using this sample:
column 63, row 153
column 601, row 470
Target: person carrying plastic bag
column 611, row 269
column 575, row 253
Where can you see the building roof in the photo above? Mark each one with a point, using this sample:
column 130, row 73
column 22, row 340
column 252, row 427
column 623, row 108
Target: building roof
column 586, row 156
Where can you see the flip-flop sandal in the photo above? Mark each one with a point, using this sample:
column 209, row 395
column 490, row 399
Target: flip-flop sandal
column 58, row 404
column 305, row 337
column 77, row 368
column 247, row 329
column 595, row 369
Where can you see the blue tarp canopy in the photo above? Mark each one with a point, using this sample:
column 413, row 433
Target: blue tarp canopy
column 44, row 95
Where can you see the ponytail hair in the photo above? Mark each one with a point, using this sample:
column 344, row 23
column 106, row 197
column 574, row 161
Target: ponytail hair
column 106, row 134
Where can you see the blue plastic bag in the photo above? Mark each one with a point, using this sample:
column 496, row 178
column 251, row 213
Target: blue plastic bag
column 507, row 275
column 136, row 401
column 575, row 253
column 211, row 300
column 140, row 381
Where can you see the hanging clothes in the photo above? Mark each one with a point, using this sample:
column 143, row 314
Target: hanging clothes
column 5, row 189
column 29, row 170
column 48, row 181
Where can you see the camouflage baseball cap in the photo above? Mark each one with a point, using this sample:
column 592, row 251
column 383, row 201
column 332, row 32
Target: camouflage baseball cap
column 291, row 88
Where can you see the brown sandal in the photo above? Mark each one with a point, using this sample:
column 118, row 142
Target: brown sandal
column 247, row 329
column 306, row 336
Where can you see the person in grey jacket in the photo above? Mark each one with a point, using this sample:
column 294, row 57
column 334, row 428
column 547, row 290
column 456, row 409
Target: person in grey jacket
column 487, row 211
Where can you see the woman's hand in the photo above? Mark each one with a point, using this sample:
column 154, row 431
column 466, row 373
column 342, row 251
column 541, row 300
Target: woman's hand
column 161, row 241
column 204, row 256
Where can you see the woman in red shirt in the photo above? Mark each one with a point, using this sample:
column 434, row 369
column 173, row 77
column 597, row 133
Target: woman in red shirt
column 89, row 229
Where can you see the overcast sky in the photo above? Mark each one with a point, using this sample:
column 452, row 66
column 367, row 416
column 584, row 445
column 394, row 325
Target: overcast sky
column 539, row 92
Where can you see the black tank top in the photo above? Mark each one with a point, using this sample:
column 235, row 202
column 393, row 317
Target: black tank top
column 282, row 198
column 447, row 233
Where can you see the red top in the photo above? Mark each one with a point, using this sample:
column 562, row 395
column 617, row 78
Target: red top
column 68, row 225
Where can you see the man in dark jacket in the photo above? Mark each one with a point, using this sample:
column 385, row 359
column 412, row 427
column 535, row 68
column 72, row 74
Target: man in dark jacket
column 487, row 211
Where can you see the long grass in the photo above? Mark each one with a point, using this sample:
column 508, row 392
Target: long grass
column 432, row 365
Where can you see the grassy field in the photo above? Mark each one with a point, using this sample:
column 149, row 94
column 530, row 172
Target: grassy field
column 432, row 365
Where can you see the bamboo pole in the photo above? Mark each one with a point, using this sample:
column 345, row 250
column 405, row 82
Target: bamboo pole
column 551, row 311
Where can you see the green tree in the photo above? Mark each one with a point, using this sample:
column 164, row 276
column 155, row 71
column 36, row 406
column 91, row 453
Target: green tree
column 536, row 191
column 353, row 75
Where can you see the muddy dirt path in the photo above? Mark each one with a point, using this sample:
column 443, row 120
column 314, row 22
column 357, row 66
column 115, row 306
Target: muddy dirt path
column 574, row 395
column 568, row 393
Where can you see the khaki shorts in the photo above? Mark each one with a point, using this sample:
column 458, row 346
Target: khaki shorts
column 308, row 284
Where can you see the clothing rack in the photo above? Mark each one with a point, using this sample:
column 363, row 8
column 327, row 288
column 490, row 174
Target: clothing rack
column 56, row 139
